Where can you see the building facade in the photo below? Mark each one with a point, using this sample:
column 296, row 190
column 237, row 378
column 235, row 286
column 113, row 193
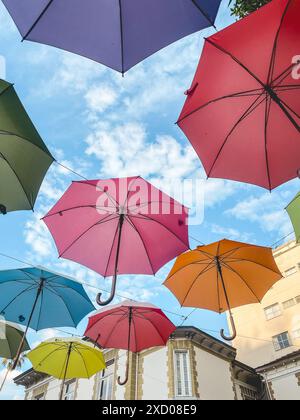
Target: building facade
column 283, row 377
column 269, row 333
column 271, row 330
column 193, row 365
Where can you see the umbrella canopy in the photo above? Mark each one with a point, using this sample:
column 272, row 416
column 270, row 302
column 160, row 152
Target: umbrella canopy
column 67, row 358
column 293, row 210
column 40, row 299
column 222, row 276
column 10, row 338
column 118, row 226
column 117, row 33
column 130, row 326
column 24, row 157
column 242, row 111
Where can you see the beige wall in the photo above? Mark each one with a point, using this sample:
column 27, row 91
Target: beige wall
column 214, row 377
column 251, row 322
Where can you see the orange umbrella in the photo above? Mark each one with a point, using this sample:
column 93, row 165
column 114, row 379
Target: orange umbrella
column 222, row 276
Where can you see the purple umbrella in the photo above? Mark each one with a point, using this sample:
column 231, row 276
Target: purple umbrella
column 117, row 33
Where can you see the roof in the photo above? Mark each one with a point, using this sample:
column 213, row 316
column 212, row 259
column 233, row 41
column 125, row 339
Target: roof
column 289, row 358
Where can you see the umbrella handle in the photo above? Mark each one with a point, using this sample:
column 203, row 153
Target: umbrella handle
column 112, row 294
column 122, row 383
column 234, row 332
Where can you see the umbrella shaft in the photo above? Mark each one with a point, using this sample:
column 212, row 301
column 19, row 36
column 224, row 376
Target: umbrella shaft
column 28, row 325
column 65, row 374
column 220, row 271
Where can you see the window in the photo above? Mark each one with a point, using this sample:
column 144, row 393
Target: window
column 248, row 394
column 296, row 335
column 281, row 341
column 289, row 303
column 105, row 382
column 183, row 374
column 290, row 271
column 39, row 397
column 272, row 312
column 69, row 391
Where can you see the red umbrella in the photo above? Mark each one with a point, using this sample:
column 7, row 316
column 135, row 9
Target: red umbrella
column 130, row 326
column 242, row 113
column 118, row 226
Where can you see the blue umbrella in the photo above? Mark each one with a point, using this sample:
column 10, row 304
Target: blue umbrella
column 118, row 33
column 39, row 299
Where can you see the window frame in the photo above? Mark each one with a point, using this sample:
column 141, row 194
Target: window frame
column 286, row 306
column 291, row 271
column 108, row 378
column 68, row 393
column 274, row 314
column 184, row 379
column 277, row 343
column 296, row 334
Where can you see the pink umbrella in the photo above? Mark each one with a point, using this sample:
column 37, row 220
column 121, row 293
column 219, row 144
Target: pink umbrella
column 118, row 226
column 130, row 326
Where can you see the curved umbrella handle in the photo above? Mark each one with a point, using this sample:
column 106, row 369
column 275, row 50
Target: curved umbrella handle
column 112, row 294
column 122, row 383
column 234, row 332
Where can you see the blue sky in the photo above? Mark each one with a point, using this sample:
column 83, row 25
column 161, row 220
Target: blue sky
column 103, row 126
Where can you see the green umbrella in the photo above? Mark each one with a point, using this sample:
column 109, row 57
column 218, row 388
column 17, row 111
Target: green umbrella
column 293, row 210
column 25, row 158
column 10, row 338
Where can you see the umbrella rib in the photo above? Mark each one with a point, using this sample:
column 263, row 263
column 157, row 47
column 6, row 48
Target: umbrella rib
column 130, row 186
column 207, row 17
column 38, row 19
column 236, row 60
column 110, row 197
column 233, row 95
column 19, row 180
column 281, row 77
column 114, row 328
column 238, row 274
column 86, row 231
column 208, row 268
column 274, row 51
column 76, row 208
column 65, row 304
column 82, row 358
column 155, row 327
column 186, row 266
column 290, row 109
column 143, row 242
column 112, row 247
column 122, row 36
column 16, row 297
column 246, row 114
column 50, row 354
column 253, row 262
column 144, row 217
column 28, row 141
column 105, row 316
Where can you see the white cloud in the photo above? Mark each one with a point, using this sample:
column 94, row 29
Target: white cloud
column 267, row 210
column 100, row 98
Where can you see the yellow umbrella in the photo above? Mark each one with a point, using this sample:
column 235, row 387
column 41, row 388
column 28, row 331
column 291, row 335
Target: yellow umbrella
column 222, row 276
column 67, row 358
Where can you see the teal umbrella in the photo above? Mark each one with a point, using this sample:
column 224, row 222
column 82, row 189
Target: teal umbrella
column 24, row 158
column 293, row 210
